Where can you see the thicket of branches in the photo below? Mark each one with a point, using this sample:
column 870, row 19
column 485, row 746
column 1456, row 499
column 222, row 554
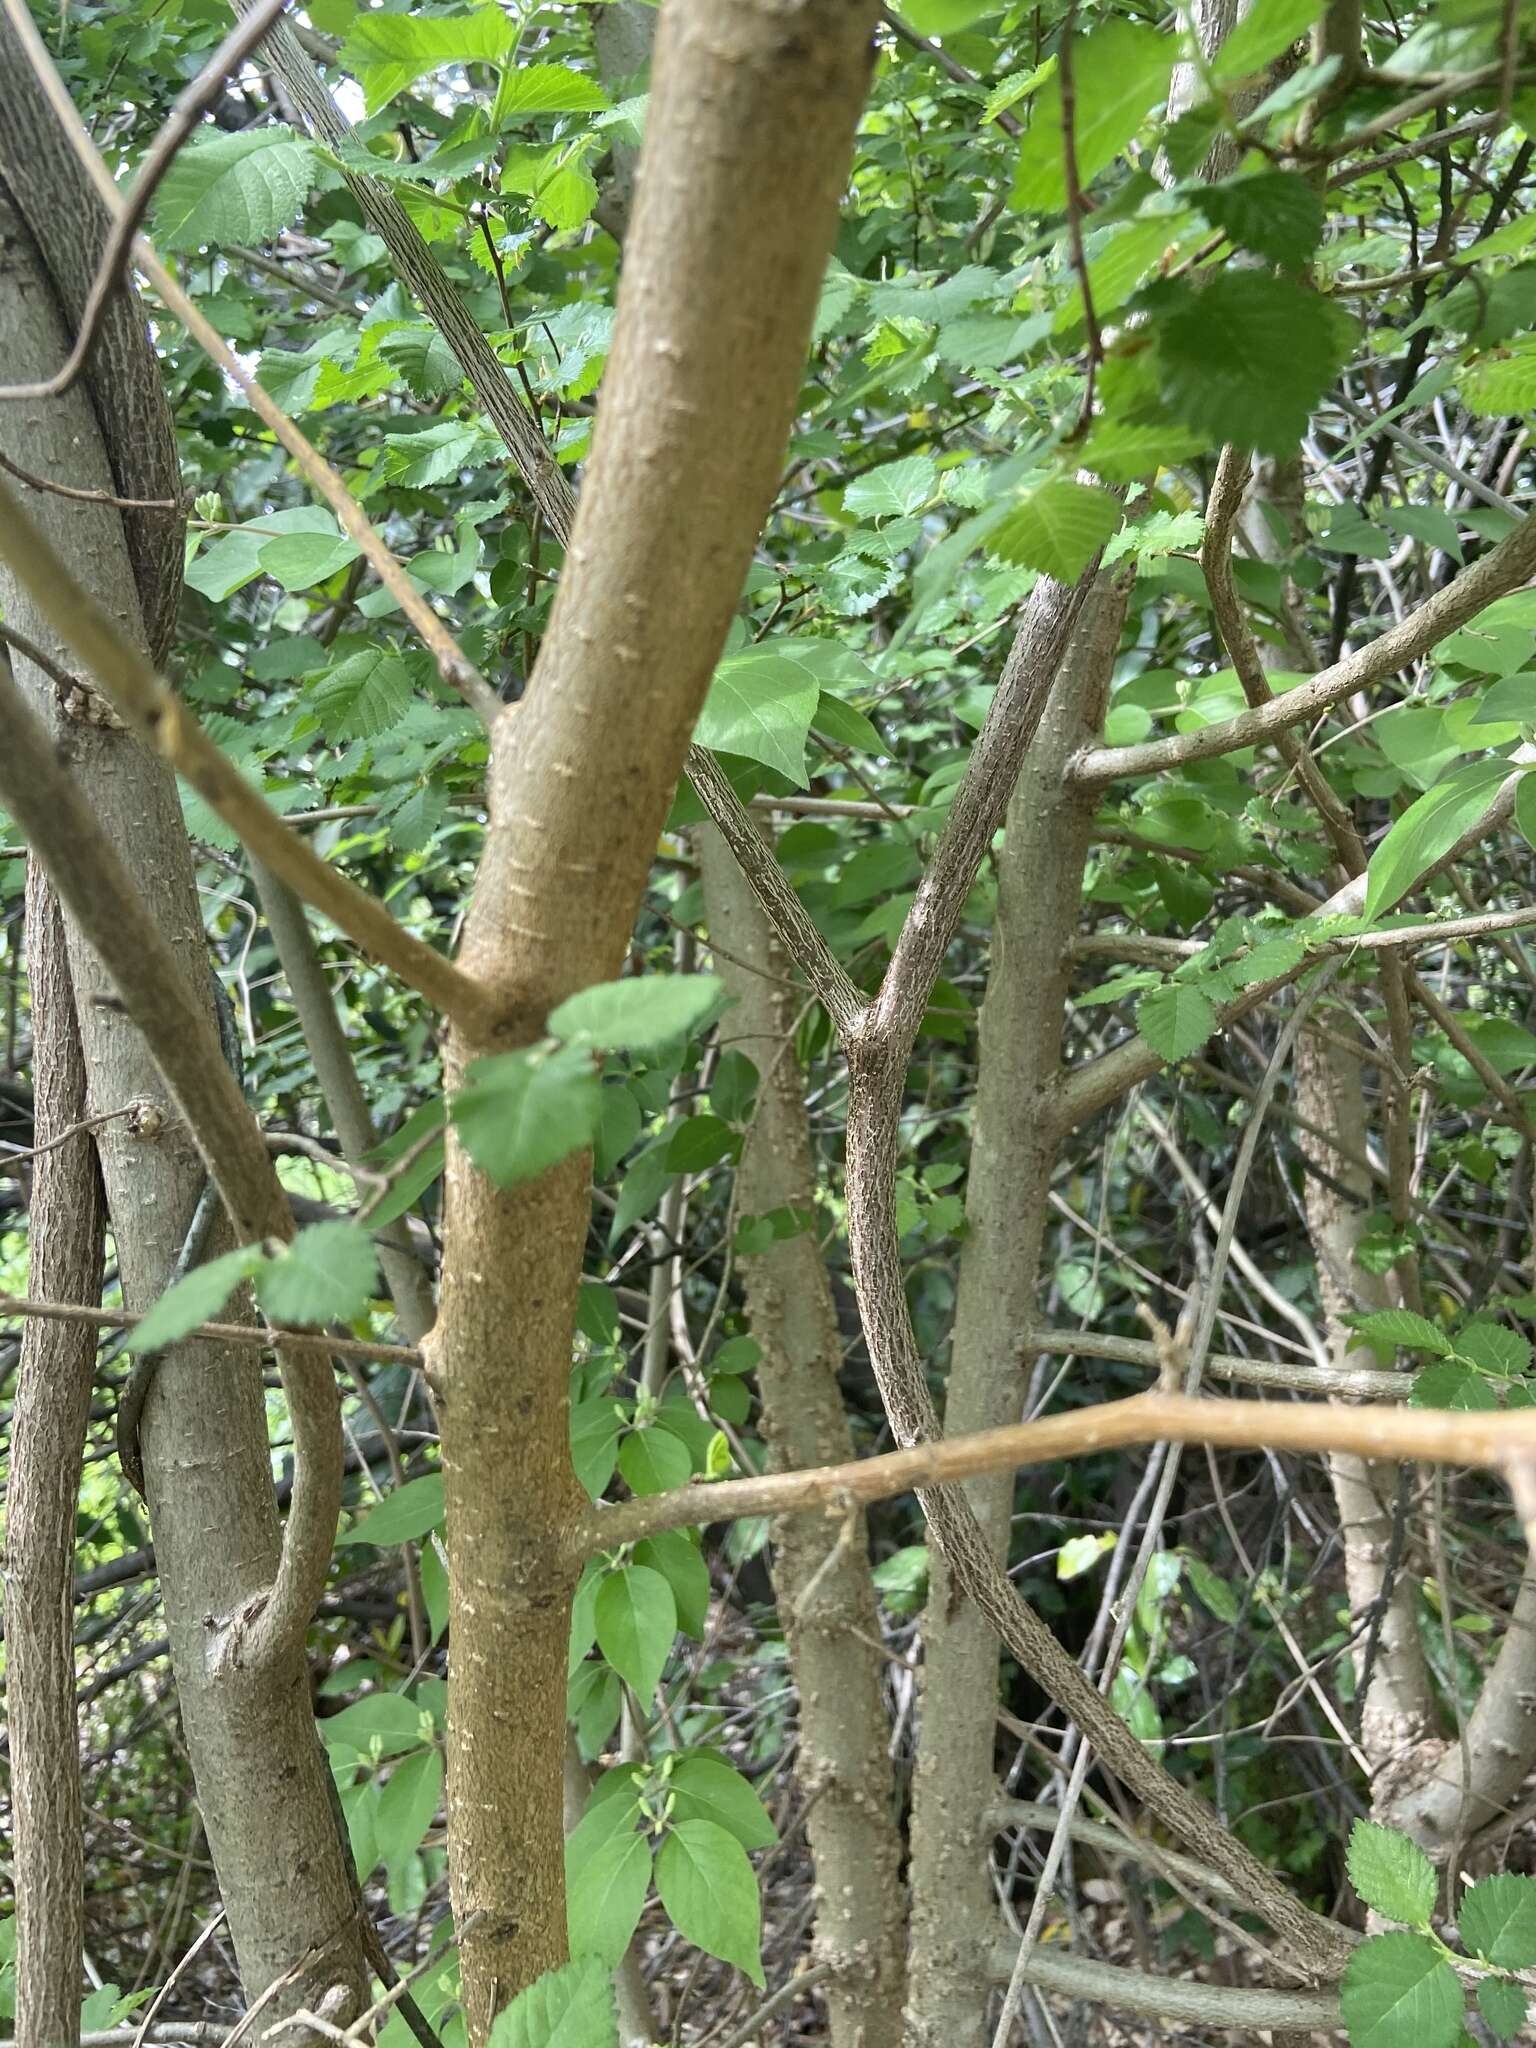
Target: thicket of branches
column 853, row 696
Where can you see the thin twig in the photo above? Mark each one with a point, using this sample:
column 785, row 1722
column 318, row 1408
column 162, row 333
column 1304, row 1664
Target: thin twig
column 184, row 116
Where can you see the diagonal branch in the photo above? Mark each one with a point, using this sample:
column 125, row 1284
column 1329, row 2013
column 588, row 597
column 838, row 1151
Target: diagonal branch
column 1503, row 569
column 178, row 125
column 85, row 869
column 147, row 704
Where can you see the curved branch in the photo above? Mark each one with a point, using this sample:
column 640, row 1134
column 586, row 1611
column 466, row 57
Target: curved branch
column 1503, row 569
column 1494, row 1442
column 88, row 874
column 158, row 715
column 184, row 116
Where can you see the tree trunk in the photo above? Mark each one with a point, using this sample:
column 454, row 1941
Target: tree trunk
column 53, row 1399
column 723, row 266
column 1013, row 1155
column 261, row 1778
column 821, row 1576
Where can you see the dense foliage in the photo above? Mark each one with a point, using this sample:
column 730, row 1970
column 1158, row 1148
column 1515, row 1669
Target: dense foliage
column 1022, row 357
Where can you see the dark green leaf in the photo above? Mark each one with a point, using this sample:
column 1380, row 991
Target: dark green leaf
column 1244, row 357
column 1276, row 214
column 710, row 1893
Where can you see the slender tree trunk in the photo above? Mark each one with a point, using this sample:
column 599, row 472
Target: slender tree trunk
column 821, row 1574
column 261, row 1778
column 1013, row 1155
column 723, row 265
column 53, row 1398
column 1330, row 1097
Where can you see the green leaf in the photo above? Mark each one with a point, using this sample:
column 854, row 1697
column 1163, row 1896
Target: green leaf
column 426, row 1167
column 1498, row 1920
column 710, row 1893
column 298, row 560
column 1426, row 523
column 1450, row 1384
column 408, row 1512
column 1511, row 701
column 605, row 1891
column 1244, row 357
column 845, row 726
column 388, row 52
column 705, row 1787
column 1059, row 529
column 366, row 694
column 1119, row 73
column 595, row 1427
column 636, row 1014
column 733, row 1089
column 422, row 357
column 681, row 1563
column 636, row 1621
column 520, row 1113
column 235, row 560
column 1391, row 1873
column 654, row 1461
column 1501, row 380
column 567, row 2008
column 1428, row 829
column 246, row 187
column 1503, row 1353
column 945, row 17
column 407, row 1808
column 546, row 89
column 894, row 490
column 1212, row 1591
column 1080, row 1554
column 387, row 1721
column 195, row 1299
column 1264, row 33
column 699, row 1142
column 1175, row 1020
column 1502, row 2005
column 1276, row 214
column 760, row 705
column 1401, row 1328
column 329, row 1273
column 1398, row 1992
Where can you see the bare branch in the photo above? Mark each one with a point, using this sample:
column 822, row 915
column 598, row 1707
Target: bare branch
column 1420, row 1435
column 1504, row 568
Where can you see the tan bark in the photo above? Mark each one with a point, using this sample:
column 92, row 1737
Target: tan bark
column 1330, row 1097
column 820, row 1565
column 1013, row 1154
column 53, row 1397
column 262, row 1782
column 723, row 266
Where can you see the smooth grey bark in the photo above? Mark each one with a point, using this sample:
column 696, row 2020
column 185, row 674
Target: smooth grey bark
column 1013, row 1153
column 262, row 1781
column 820, row 1566
column 53, row 1398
